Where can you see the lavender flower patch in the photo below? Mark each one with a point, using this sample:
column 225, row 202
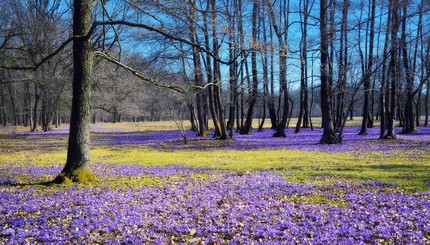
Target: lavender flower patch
column 306, row 140
column 31, row 174
column 230, row 208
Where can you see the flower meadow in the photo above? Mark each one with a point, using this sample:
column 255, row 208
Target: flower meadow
column 178, row 201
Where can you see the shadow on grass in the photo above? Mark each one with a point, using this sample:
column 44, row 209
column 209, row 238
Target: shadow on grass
column 50, row 183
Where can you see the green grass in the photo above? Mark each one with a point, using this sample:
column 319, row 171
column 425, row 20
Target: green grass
column 409, row 169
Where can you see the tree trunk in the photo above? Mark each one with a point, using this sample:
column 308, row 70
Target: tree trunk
column 3, row 114
column 35, row 108
column 303, row 114
column 211, row 93
column 77, row 168
column 232, row 69
column 198, row 79
column 271, row 101
column 217, row 77
column 367, row 77
column 426, row 103
column 27, row 103
column 329, row 135
column 282, row 36
column 394, row 72
column 384, row 80
column 342, row 73
column 11, row 90
column 247, row 128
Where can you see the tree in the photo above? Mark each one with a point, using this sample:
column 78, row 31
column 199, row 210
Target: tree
column 281, row 31
column 77, row 168
column 329, row 136
column 254, row 91
column 394, row 71
column 304, row 105
column 366, row 111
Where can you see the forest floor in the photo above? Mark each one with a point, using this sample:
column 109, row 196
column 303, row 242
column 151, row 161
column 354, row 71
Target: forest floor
column 155, row 189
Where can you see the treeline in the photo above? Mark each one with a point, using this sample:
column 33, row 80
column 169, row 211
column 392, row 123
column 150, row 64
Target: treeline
column 223, row 63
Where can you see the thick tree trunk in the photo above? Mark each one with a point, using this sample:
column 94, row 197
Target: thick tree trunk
column 394, row 72
column 77, row 168
column 329, row 136
column 384, row 76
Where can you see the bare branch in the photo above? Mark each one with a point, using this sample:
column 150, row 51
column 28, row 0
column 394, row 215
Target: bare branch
column 138, row 74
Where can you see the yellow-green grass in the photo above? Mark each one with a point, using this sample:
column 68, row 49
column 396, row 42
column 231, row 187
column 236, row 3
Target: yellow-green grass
column 410, row 169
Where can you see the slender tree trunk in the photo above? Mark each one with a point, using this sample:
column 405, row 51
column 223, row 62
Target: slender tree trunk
column 367, row 77
column 198, row 78
column 11, row 90
column 3, row 114
column 283, row 53
column 232, row 69
column 77, row 168
column 271, row 101
column 211, row 93
column 410, row 69
column 264, row 64
column 342, row 73
column 247, row 128
column 26, row 104
column 303, row 114
column 36, row 107
column 217, row 76
column 331, row 55
column 426, row 103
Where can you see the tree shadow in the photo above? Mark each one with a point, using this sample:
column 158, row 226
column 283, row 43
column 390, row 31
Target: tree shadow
column 35, row 184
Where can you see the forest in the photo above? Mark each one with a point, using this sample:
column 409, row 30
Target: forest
column 214, row 121
column 222, row 63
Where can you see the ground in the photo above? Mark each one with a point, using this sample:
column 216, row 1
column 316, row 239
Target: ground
column 155, row 189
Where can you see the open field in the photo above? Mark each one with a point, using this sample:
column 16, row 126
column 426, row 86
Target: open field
column 154, row 189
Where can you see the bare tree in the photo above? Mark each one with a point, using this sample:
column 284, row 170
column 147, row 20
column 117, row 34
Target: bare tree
column 329, row 135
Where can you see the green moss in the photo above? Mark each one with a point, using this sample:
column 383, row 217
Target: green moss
column 83, row 176
column 80, row 175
